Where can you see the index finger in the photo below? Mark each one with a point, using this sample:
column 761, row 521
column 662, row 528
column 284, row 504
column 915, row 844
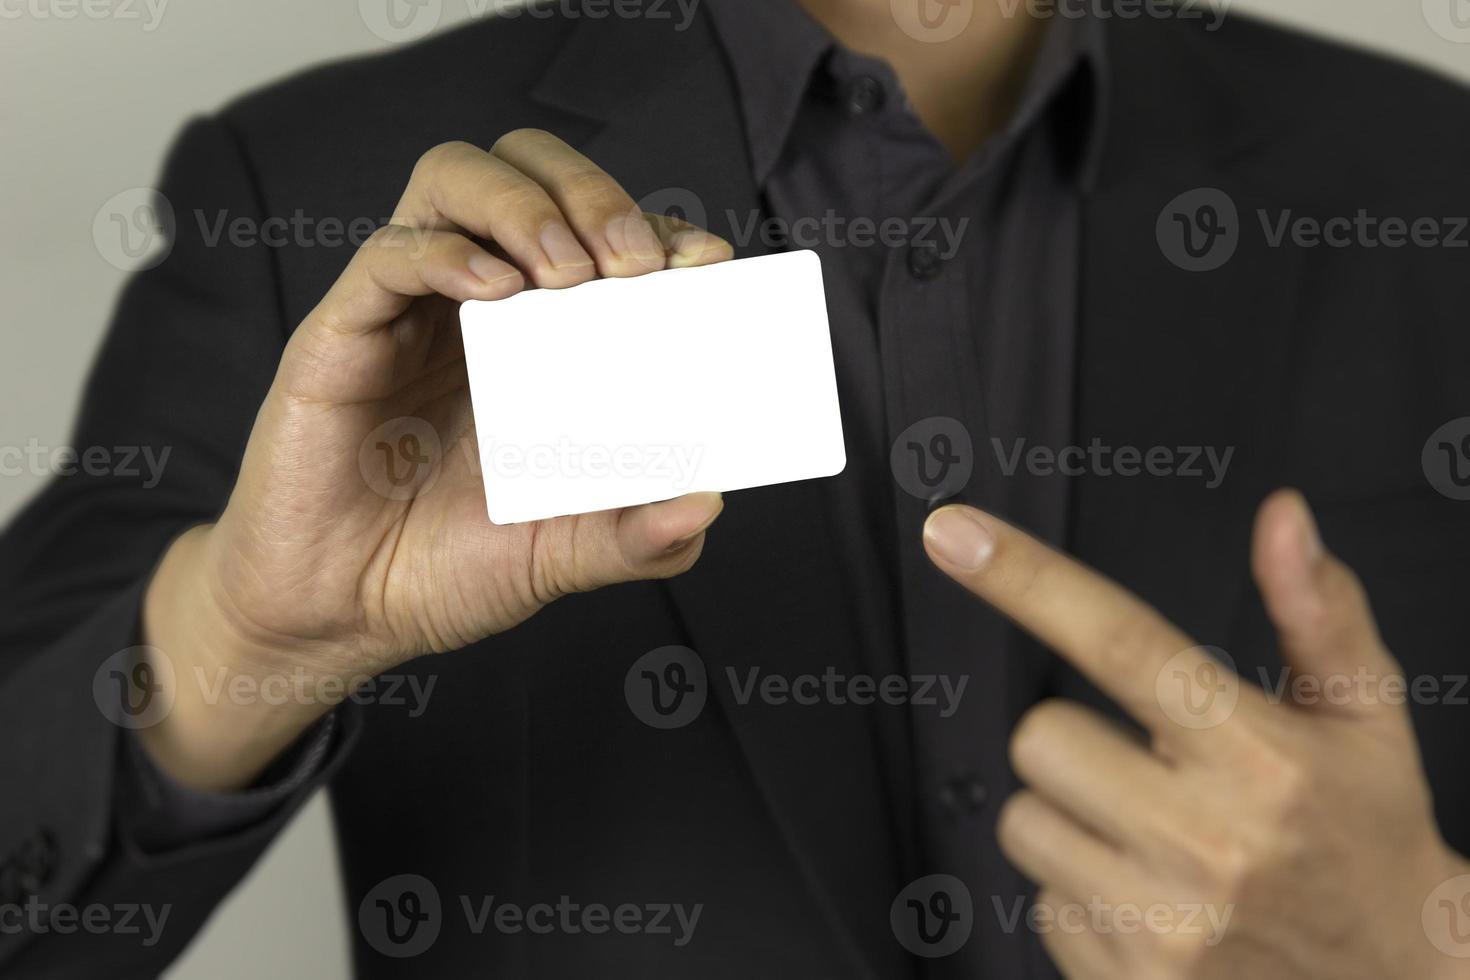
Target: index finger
column 1118, row 641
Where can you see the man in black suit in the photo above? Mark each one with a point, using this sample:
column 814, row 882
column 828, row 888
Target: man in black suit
column 1111, row 279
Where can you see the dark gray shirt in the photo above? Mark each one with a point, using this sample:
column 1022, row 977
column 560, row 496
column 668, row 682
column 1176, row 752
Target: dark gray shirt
column 952, row 293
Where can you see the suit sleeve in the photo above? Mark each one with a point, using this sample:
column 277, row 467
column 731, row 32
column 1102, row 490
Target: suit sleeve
column 168, row 407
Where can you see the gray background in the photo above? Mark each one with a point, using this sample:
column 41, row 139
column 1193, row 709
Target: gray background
column 91, row 104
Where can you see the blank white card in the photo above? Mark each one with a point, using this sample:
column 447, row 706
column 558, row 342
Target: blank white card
column 627, row 391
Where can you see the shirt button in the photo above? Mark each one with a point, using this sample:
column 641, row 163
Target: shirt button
column 864, row 95
column 924, row 261
column 963, row 796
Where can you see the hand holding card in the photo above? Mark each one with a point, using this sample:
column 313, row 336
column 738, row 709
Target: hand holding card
column 626, row 391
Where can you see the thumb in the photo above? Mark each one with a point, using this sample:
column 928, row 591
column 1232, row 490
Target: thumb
column 1320, row 611
column 651, row 541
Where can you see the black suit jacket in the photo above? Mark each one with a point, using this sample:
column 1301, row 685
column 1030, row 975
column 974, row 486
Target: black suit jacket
column 529, row 778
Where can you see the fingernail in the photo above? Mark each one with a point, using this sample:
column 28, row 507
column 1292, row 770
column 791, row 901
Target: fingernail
column 691, row 242
column 630, row 237
column 956, row 535
column 489, row 269
column 714, row 503
column 562, row 248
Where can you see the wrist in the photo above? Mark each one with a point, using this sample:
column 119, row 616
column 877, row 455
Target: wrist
column 230, row 715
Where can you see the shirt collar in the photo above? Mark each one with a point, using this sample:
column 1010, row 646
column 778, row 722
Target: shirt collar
column 776, row 49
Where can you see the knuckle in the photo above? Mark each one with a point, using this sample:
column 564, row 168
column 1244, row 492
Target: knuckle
column 440, row 154
column 1282, row 783
column 385, row 236
column 1344, row 589
column 1232, row 865
column 682, row 561
column 1035, row 730
column 527, row 137
column 1021, row 573
column 590, row 184
column 1121, row 641
column 1315, row 619
column 520, row 200
column 1014, row 821
column 552, row 571
column 1179, row 954
column 1288, row 800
